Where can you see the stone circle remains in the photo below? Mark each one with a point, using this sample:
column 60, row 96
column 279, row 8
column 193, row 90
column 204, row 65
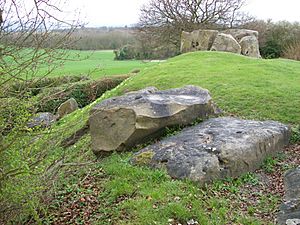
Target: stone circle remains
column 239, row 41
column 214, row 149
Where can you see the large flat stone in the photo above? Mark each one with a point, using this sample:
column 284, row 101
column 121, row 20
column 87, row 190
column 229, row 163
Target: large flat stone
column 216, row 149
column 122, row 122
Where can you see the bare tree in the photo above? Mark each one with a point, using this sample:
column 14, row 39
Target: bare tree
column 1, row 18
column 33, row 23
column 26, row 28
column 163, row 20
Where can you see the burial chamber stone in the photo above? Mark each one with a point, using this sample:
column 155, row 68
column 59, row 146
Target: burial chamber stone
column 239, row 41
column 250, row 46
column 122, row 122
column 198, row 40
column 215, row 149
column 226, row 43
column 238, row 34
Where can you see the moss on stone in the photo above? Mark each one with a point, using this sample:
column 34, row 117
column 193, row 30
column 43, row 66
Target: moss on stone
column 144, row 158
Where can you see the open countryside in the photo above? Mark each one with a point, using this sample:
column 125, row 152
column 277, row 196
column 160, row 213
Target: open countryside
column 157, row 123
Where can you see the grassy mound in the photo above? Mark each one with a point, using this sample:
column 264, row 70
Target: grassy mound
column 75, row 187
column 242, row 86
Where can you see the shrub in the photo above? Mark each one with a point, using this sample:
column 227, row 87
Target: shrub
column 34, row 86
column 292, row 51
column 295, row 138
column 125, row 53
column 13, row 113
column 84, row 92
column 271, row 49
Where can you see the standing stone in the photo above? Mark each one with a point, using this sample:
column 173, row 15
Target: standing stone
column 67, row 107
column 215, row 149
column 226, row 43
column 250, row 46
column 290, row 209
column 122, row 122
column 198, row 40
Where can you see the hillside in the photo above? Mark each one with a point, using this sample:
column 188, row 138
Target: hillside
column 246, row 87
column 79, row 188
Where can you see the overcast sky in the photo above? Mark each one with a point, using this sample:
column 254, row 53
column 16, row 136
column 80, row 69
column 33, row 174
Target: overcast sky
column 126, row 12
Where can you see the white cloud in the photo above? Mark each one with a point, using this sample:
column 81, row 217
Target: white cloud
column 275, row 9
column 108, row 12
column 126, row 12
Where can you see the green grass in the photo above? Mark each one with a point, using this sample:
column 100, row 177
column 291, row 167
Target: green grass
column 96, row 64
column 246, row 87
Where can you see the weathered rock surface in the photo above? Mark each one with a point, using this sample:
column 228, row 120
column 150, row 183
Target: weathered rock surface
column 122, row 122
column 216, row 149
column 226, row 43
column 238, row 34
column 250, row 46
column 67, row 107
column 44, row 119
column 290, row 209
column 198, row 40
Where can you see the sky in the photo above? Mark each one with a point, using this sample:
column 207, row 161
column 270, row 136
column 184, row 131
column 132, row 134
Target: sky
column 126, row 12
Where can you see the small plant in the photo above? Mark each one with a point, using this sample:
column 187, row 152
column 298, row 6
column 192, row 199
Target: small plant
column 251, row 210
column 250, row 178
column 125, row 53
column 269, row 164
column 295, row 138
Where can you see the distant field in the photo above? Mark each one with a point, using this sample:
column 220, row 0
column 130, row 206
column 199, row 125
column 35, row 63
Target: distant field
column 97, row 64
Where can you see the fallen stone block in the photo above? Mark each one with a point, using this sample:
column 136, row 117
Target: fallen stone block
column 122, row 122
column 67, row 107
column 215, row 149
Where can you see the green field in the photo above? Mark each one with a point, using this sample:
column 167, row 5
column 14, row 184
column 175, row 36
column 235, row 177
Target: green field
column 96, row 64
column 111, row 191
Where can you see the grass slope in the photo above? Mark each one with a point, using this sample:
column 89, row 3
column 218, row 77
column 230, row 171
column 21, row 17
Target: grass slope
column 251, row 88
column 246, row 87
column 111, row 191
column 96, row 64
